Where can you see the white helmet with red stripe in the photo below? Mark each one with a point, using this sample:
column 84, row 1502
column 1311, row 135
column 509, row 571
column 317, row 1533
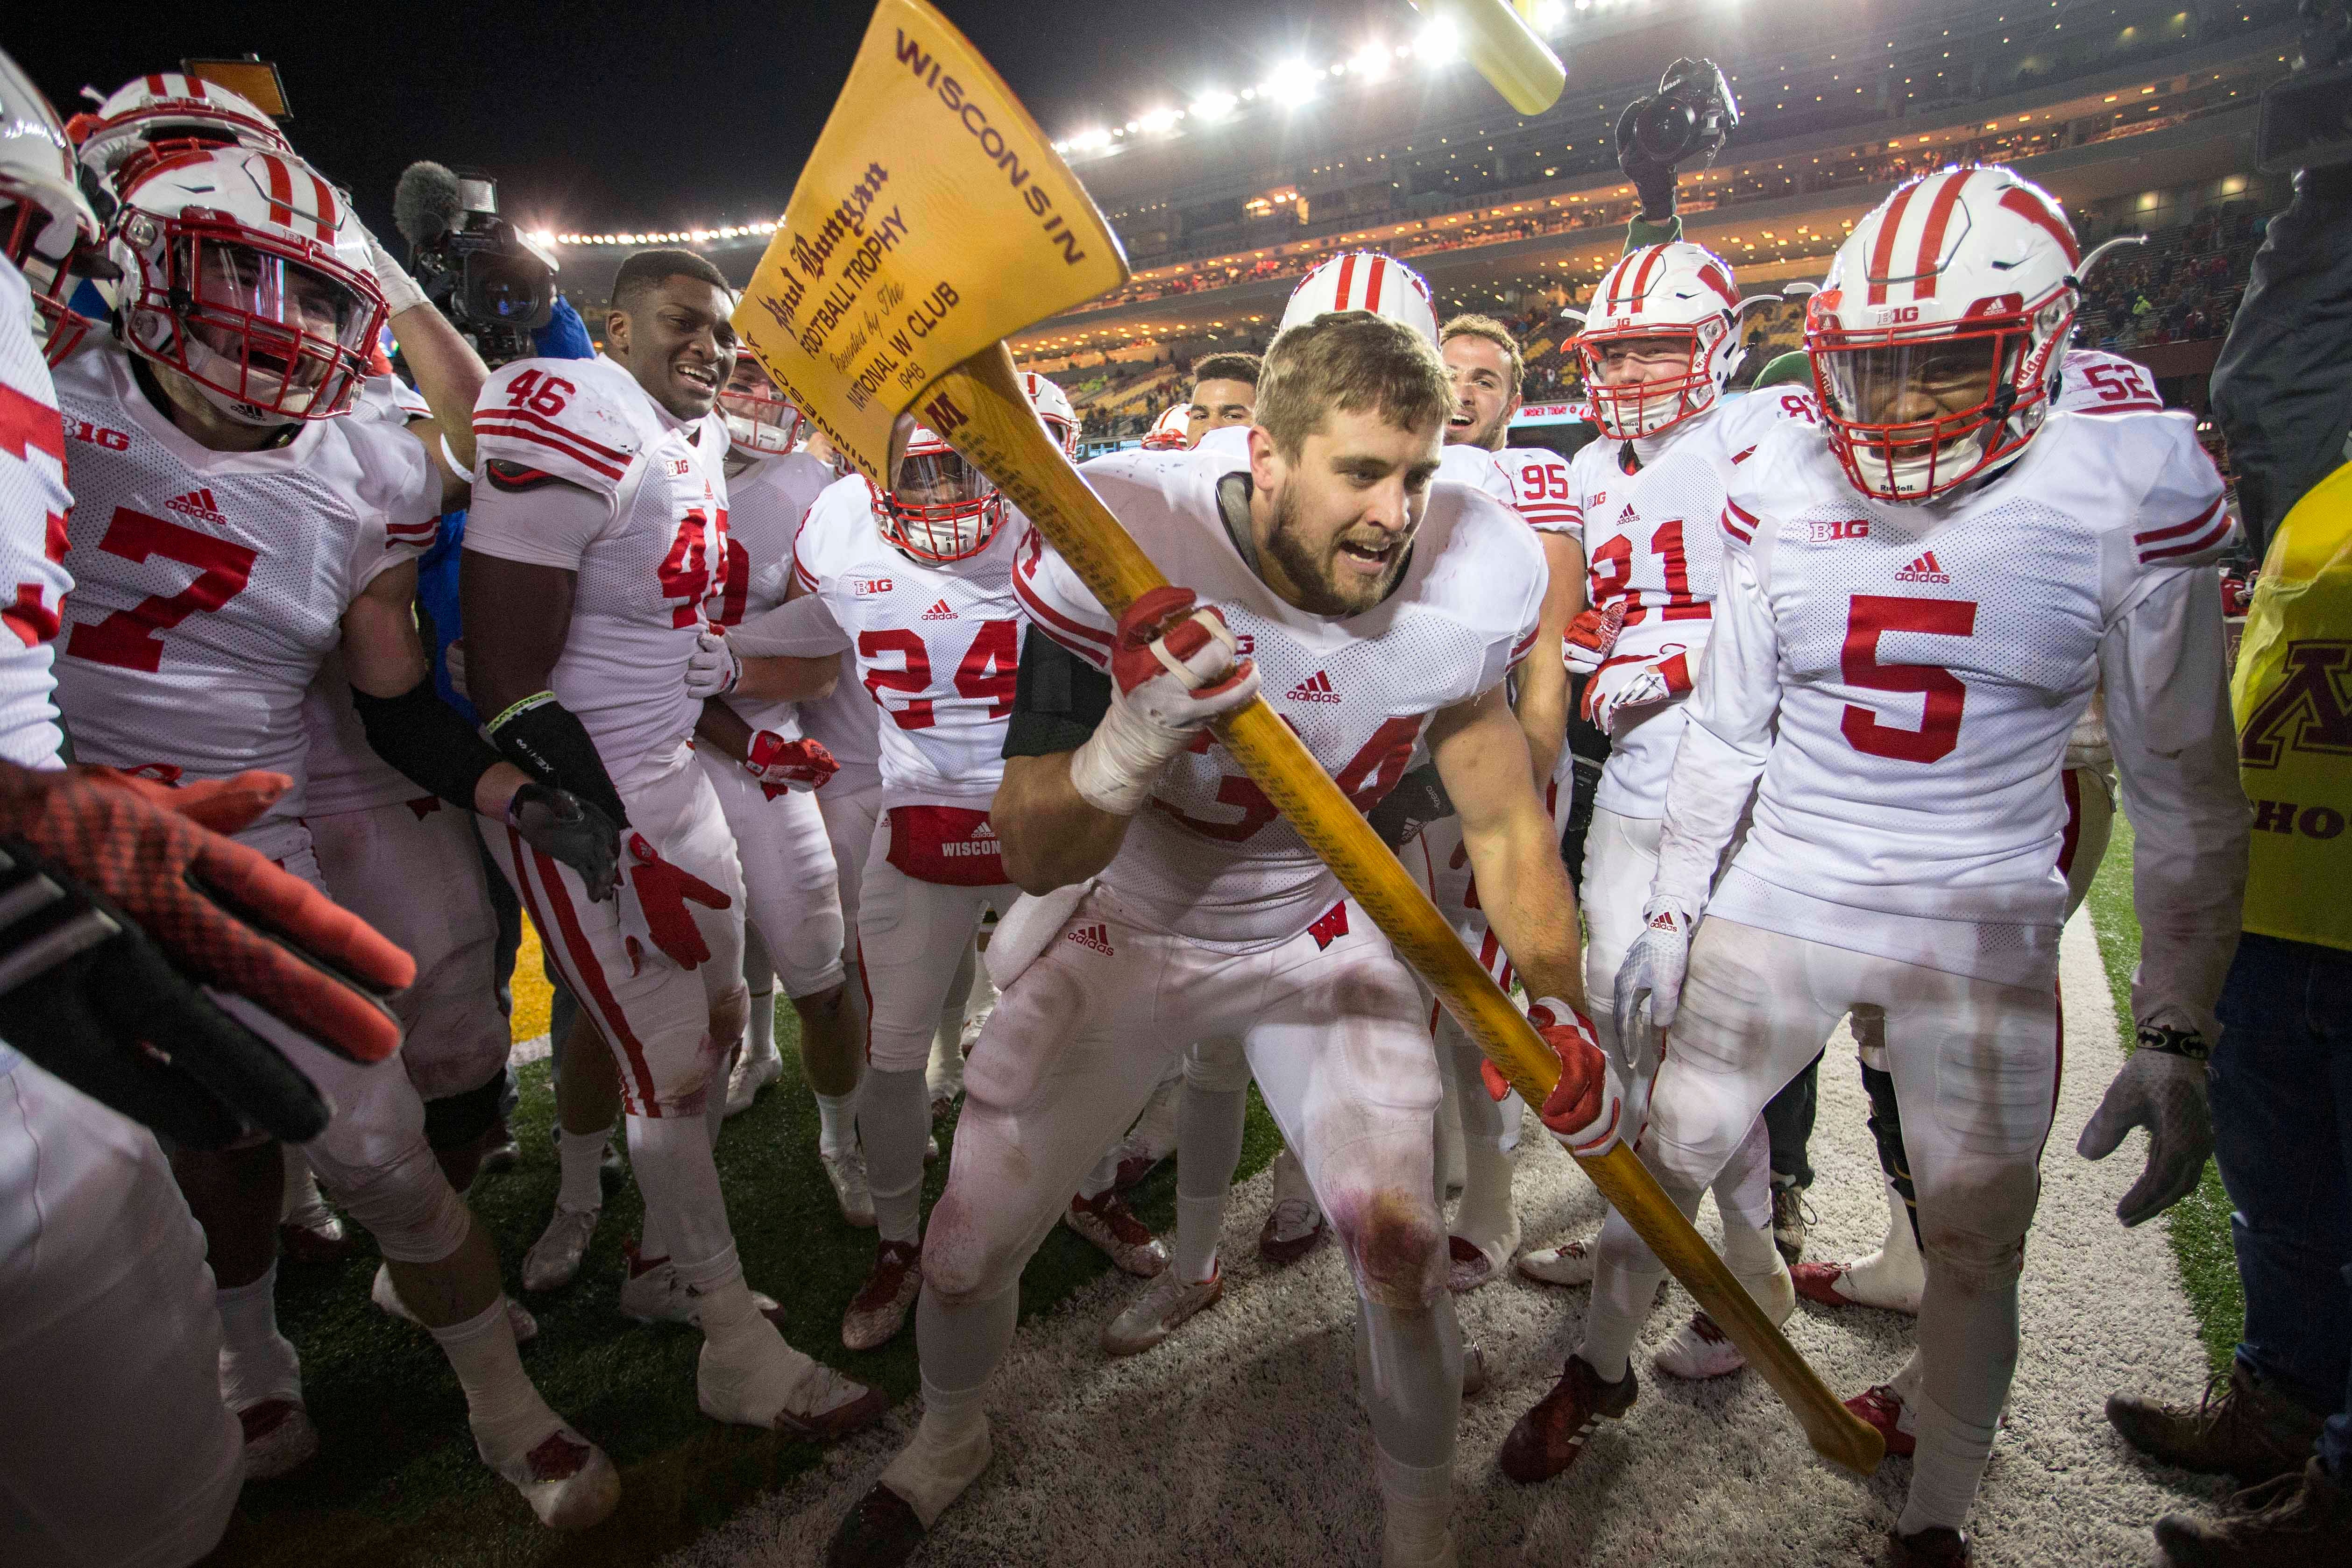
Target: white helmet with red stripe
column 1937, row 336
column 1681, row 293
column 43, row 218
column 245, row 273
column 166, row 113
column 760, row 422
column 940, row 506
column 1364, row 280
column 1053, row 406
column 1171, row 431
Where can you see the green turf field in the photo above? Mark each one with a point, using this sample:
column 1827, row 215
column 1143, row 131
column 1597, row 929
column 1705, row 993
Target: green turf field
column 2199, row 1226
column 396, row 1481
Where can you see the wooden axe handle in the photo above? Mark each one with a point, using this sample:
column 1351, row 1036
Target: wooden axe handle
column 980, row 409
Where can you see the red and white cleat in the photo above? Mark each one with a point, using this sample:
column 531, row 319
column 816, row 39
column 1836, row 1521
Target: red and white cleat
column 757, row 1380
column 1699, row 1350
column 1107, row 1221
column 879, row 1308
column 278, row 1437
column 1470, row 1264
column 1880, row 1406
column 567, row 1481
column 1551, row 1436
column 1570, row 1263
column 1855, row 1284
column 1160, row 1311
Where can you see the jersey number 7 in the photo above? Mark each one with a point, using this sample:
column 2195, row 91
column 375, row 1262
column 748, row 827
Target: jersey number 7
column 132, row 638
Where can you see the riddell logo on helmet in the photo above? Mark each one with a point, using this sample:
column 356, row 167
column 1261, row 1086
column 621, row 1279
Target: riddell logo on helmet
column 1097, row 937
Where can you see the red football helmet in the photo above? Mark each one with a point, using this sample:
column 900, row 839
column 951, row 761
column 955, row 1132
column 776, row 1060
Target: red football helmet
column 245, row 273
column 940, row 506
column 1171, row 431
column 760, row 422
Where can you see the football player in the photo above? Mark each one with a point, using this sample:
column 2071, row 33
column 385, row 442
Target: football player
column 590, row 551
column 1224, row 394
column 229, row 533
column 1657, row 349
column 1173, row 903
column 1911, row 618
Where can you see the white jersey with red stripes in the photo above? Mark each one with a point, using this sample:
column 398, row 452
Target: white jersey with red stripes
column 2092, row 380
column 938, row 645
column 1541, row 490
column 767, row 501
column 1931, row 660
column 639, row 602
column 209, row 587
column 33, row 505
column 1651, row 548
column 1212, row 859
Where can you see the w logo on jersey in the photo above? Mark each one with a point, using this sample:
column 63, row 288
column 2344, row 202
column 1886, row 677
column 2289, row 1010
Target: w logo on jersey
column 940, row 611
column 1329, row 926
column 1315, row 687
column 1924, row 570
column 198, row 504
column 1097, row 937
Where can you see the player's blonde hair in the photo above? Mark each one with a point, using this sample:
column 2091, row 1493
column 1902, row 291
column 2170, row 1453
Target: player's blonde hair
column 1349, row 362
column 1472, row 325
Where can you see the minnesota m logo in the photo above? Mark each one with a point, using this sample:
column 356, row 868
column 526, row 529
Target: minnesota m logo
column 2310, row 709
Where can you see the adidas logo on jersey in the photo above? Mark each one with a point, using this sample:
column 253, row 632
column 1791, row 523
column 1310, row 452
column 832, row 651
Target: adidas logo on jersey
column 197, row 503
column 1924, row 570
column 1315, row 687
column 1097, row 937
column 940, row 611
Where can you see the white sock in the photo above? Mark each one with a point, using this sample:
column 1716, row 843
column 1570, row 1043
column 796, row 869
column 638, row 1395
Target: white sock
column 256, row 1362
column 1208, row 1140
column 763, row 1025
column 1417, row 1501
column 894, row 1117
column 946, row 1453
column 1894, row 1273
column 836, row 1118
column 1945, row 1470
column 727, row 1310
column 1103, row 1177
column 507, row 1416
column 581, row 1156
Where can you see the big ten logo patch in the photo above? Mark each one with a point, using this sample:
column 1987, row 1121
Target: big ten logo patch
column 865, row 585
column 1847, row 527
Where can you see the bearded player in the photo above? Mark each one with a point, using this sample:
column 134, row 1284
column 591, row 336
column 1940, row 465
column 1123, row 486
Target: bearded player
column 596, row 530
column 1175, row 904
column 234, row 524
column 1912, row 616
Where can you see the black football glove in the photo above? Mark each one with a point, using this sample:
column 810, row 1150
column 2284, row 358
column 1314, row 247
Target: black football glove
column 1418, row 800
column 562, row 826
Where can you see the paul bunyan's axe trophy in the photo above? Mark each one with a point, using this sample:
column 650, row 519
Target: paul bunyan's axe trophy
column 934, row 220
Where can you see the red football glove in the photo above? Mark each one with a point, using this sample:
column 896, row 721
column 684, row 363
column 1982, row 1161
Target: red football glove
column 782, row 766
column 656, row 914
column 1586, row 1110
column 115, row 905
column 1175, row 669
column 1633, row 683
column 1586, row 639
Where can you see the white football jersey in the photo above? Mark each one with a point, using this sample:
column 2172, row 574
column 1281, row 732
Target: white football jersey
column 1541, row 490
column 767, row 501
column 638, row 604
column 1924, row 666
column 938, row 645
column 2092, row 380
column 34, row 501
column 1212, row 860
column 209, row 587
column 1652, row 545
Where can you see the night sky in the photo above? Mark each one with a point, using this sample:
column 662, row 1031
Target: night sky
column 649, row 116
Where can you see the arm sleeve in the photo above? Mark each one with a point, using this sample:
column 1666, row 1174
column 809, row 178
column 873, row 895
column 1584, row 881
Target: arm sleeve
column 1057, row 701
column 2164, row 672
column 1641, row 232
column 538, row 521
column 2283, row 386
column 1731, row 708
column 800, row 628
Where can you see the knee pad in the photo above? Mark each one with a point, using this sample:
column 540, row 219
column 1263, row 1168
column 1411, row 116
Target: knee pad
column 455, row 1120
column 1217, row 1067
column 1396, row 1245
column 1969, row 1260
column 407, row 1205
column 967, row 1257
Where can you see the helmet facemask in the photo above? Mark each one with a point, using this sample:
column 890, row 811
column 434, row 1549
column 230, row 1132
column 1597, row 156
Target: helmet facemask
column 760, row 422
column 1631, row 409
column 43, row 248
column 268, row 336
column 940, row 506
column 1913, row 413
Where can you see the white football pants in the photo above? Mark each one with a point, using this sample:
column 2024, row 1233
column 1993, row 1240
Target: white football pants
column 791, row 890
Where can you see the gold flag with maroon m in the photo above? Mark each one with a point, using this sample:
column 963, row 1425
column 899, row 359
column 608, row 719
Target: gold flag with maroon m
column 931, row 196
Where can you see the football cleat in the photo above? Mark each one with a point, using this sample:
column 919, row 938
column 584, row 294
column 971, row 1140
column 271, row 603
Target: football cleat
column 500, row 1151
column 1570, row 1263
column 1110, row 1224
column 1160, row 1311
column 847, row 1174
column 879, row 1308
column 567, row 1481
column 386, row 1298
column 931, row 1150
column 278, row 1437
column 882, row 1531
column 1935, row 1547
column 1853, row 1285
column 1470, row 1264
column 751, row 1075
column 1293, row 1227
column 1879, row 1406
column 1135, row 1160
column 651, row 1292
column 311, row 1233
column 757, row 1380
column 1792, row 1219
column 1699, row 1350
column 1551, row 1436
column 553, row 1260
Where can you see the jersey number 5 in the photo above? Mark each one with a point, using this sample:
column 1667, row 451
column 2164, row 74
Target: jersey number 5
column 134, row 639
column 1940, row 722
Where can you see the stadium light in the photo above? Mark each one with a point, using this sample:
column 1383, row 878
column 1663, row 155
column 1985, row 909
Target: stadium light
column 1438, row 43
column 1160, row 121
column 1370, row 63
column 1212, row 106
column 1292, row 85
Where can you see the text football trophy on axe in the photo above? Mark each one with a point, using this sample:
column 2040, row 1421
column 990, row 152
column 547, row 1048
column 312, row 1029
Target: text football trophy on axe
column 934, row 220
